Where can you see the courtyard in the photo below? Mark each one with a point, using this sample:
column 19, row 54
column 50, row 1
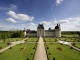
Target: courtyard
column 28, row 49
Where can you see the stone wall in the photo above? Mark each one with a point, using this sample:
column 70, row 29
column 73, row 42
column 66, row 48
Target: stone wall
column 57, row 33
column 49, row 34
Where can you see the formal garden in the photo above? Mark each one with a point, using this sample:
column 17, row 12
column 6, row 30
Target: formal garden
column 22, row 51
column 48, row 39
column 61, row 52
column 19, row 52
column 70, row 35
column 26, row 51
column 32, row 39
column 69, row 39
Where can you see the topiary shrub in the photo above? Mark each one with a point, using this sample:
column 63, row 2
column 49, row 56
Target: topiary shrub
column 71, row 47
column 0, row 53
column 61, row 43
column 16, row 40
column 10, row 48
column 0, row 47
column 49, row 53
column 9, row 43
column 34, row 48
column 59, row 48
column 31, row 53
column 47, row 47
column 27, row 59
column 54, row 58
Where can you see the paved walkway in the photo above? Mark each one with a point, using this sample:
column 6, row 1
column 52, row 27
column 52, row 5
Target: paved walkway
column 12, row 44
column 40, row 51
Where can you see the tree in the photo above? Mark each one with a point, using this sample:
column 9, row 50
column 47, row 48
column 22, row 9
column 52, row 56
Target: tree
column 15, row 35
column 4, row 36
column 8, row 35
column 21, row 33
column 78, row 33
column 73, row 44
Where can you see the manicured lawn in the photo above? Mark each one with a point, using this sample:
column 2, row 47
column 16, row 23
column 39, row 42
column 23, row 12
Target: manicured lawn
column 13, row 39
column 62, row 52
column 49, row 39
column 32, row 39
column 78, row 45
column 68, row 39
column 16, row 53
column 3, row 45
column 74, row 35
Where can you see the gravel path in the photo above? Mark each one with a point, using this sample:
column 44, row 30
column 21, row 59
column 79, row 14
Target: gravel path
column 40, row 51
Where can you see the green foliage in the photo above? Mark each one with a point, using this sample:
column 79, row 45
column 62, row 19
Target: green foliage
column 73, row 44
column 15, row 53
column 4, row 36
column 18, row 34
column 65, row 54
column 78, row 33
column 49, row 39
column 0, row 47
column 21, row 34
column 32, row 39
column 15, row 35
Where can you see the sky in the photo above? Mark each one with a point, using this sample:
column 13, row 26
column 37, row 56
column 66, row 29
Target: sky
column 20, row 14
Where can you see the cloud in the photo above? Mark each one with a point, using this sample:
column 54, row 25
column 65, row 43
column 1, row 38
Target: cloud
column 22, row 17
column 69, row 24
column 14, row 6
column 1, row 26
column 12, row 14
column 31, row 24
column 5, row 27
column 11, row 7
column 23, row 24
column 45, row 23
column 11, row 20
column 59, row 2
column 61, row 21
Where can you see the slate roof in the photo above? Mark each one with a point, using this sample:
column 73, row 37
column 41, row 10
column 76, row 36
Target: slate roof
column 40, row 26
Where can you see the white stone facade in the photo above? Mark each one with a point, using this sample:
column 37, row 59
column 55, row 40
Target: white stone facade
column 44, row 33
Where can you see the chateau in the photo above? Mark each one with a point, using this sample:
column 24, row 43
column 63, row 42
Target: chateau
column 44, row 33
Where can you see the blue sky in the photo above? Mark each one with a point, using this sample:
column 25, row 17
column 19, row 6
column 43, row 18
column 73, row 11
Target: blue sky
column 20, row 14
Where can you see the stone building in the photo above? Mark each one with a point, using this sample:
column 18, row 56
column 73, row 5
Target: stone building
column 44, row 33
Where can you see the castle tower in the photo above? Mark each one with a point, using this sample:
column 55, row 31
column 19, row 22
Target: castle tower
column 57, row 31
column 24, row 32
column 40, row 30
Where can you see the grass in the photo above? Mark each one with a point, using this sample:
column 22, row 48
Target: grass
column 65, row 54
column 32, row 39
column 13, row 39
column 15, row 53
column 78, row 45
column 68, row 39
column 67, row 35
column 3, row 44
column 49, row 39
